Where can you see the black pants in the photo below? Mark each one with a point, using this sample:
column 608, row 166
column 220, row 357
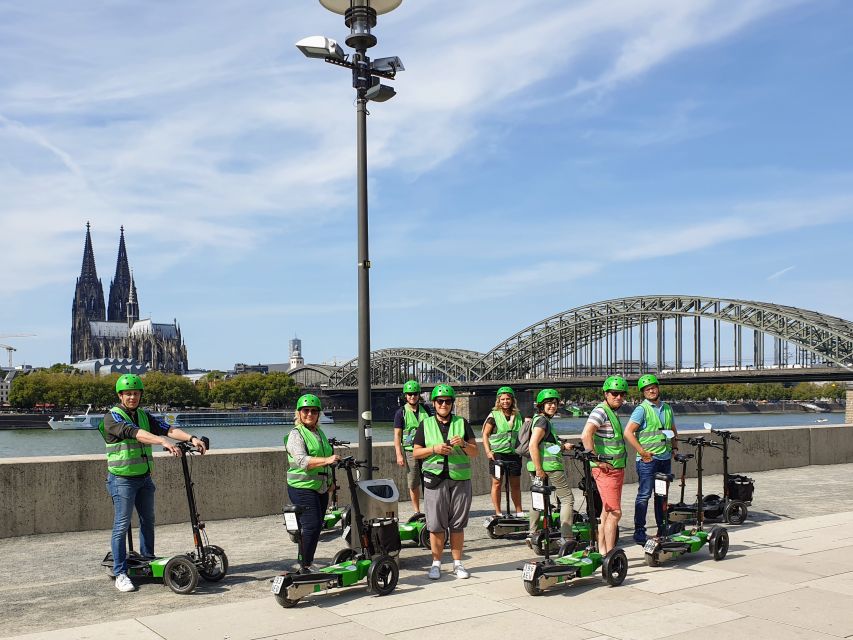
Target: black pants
column 310, row 520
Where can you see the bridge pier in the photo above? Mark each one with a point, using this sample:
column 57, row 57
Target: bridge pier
column 474, row 406
column 848, row 411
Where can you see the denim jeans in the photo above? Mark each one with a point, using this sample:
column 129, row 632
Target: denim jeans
column 310, row 520
column 646, row 477
column 128, row 493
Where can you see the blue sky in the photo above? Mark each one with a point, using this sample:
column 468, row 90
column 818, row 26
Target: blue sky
column 539, row 155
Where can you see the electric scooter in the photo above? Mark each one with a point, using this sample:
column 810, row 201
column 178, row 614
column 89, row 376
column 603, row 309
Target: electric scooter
column 377, row 539
column 677, row 544
column 737, row 489
column 180, row 573
column 681, row 511
column 506, row 525
column 571, row 563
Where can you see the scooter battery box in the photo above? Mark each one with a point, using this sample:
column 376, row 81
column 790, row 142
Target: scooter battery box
column 741, row 488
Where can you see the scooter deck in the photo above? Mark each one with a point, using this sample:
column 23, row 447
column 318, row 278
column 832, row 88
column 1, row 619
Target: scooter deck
column 344, row 574
column 140, row 567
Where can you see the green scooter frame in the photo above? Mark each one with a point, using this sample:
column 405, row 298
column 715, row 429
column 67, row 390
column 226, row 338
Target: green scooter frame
column 571, row 564
column 348, row 567
column 691, row 540
column 334, row 514
column 181, row 572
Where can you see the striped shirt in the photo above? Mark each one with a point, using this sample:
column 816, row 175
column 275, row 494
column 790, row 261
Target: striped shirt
column 603, row 428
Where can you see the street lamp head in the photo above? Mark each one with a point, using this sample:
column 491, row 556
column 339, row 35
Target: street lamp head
column 379, row 6
column 360, row 17
column 380, row 92
column 320, row 47
column 391, row 65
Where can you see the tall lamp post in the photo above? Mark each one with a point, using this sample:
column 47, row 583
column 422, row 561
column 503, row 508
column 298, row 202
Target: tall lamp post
column 360, row 17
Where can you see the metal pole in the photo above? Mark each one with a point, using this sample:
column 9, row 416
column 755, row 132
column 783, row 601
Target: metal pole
column 365, row 430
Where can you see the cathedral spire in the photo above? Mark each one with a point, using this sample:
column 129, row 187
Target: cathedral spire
column 132, row 306
column 88, row 300
column 120, row 285
column 88, row 273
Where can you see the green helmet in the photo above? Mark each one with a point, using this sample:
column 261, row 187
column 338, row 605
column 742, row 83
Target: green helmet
column 646, row 381
column 129, row 382
column 615, row 383
column 547, row 394
column 442, row 391
column 506, row 390
column 412, row 386
column 308, row 400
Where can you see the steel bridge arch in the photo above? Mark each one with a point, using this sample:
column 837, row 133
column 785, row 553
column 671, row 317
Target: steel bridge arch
column 396, row 365
column 584, row 340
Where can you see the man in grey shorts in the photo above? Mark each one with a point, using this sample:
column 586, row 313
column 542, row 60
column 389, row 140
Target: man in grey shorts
column 406, row 422
column 445, row 443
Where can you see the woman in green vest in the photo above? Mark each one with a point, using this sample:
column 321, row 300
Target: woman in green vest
column 129, row 433
column 548, row 466
column 406, row 422
column 309, row 455
column 603, row 434
column 445, row 444
column 500, row 437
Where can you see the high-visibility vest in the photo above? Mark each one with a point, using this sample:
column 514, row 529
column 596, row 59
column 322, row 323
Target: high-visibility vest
column 129, row 458
column 412, row 420
column 458, row 463
column 550, row 461
column 504, row 437
column 614, row 446
column 651, row 436
column 317, row 446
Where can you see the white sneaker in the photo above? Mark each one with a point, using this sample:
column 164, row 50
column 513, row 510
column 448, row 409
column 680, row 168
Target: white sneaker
column 461, row 572
column 124, row 584
column 520, row 514
column 434, row 572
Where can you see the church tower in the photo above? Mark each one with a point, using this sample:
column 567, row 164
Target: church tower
column 88, row 301
column 132, row 305
column 120, row 287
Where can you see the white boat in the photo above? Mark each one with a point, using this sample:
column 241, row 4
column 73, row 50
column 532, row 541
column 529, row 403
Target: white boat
column 189, row 420
column 85, row 421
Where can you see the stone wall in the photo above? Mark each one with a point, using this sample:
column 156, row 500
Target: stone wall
column 54, row 494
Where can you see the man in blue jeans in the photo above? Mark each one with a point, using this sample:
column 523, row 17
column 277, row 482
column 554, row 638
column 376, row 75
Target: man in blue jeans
column 654, row 451
column 129, row 433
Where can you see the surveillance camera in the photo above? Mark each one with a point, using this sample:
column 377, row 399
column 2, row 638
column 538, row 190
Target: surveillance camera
column 392, row 64
column 380, row 93
column 320, row 47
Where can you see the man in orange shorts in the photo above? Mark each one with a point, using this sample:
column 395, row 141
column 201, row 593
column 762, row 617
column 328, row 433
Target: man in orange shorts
column 603, row 434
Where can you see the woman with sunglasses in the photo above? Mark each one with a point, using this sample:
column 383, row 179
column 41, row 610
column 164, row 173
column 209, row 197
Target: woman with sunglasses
column 309, row 455
column 603, row 434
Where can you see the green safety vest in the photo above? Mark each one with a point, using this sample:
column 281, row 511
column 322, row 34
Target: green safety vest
column 129, row 457
column 412, row 421
column 651, row 436
column 318, row 447
column 504, row 436
column 550, row 462
column 458, row 463
column 614, row 446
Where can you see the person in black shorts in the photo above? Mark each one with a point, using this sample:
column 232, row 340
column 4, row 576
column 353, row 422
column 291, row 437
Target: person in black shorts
column 500, row 437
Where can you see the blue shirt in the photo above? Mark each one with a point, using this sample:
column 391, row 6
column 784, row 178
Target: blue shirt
column 639, row 416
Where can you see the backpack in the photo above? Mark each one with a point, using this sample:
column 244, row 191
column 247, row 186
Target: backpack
column 523, row 446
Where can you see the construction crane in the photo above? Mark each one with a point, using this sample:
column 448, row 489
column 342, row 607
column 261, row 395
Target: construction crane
column 9, row 348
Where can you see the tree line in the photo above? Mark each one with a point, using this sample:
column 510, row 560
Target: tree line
column 743, row 392
column 64, row 387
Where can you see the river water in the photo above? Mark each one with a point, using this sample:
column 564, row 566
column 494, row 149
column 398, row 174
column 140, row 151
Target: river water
column 45, row 442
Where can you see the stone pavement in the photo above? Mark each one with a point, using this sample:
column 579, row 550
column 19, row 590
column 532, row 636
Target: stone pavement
column 788, row 574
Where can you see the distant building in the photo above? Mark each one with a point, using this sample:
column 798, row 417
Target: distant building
column 116, row 332
column 296, row 359
column 5, row 385
column 241, row 367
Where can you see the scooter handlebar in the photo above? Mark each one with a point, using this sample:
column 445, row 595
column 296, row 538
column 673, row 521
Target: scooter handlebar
column 338, row 443
column 186, row 447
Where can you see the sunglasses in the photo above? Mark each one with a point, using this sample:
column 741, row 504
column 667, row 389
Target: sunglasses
column 616, row 393
column 444, row 401
column 310, row 410
column 412, row 394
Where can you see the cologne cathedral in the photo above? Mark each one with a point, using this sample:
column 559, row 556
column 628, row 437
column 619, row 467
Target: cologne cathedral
column 117, row 331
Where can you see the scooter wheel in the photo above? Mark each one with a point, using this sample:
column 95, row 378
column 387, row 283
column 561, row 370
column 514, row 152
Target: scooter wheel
column 490, row 531
column 567, row 548
column 423, row 538
column 344, row 555
column 417, row 517
column 614, row 567
column 735, row 512
column 532, row 587
column 214, row 564
column 382, row 576
column 180, row 575
column 282, row 599
column 540, row 541
column 294, row 537
column 652, row 560
column 718, row 543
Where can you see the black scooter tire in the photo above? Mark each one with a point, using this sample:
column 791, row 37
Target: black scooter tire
column 180, row 575
column 344, row 555
column 217, row 568
column 382, row 576
column 532, row 587
column 614, row 567
column 652, row 560
column 735, row 512
column 718, row 543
